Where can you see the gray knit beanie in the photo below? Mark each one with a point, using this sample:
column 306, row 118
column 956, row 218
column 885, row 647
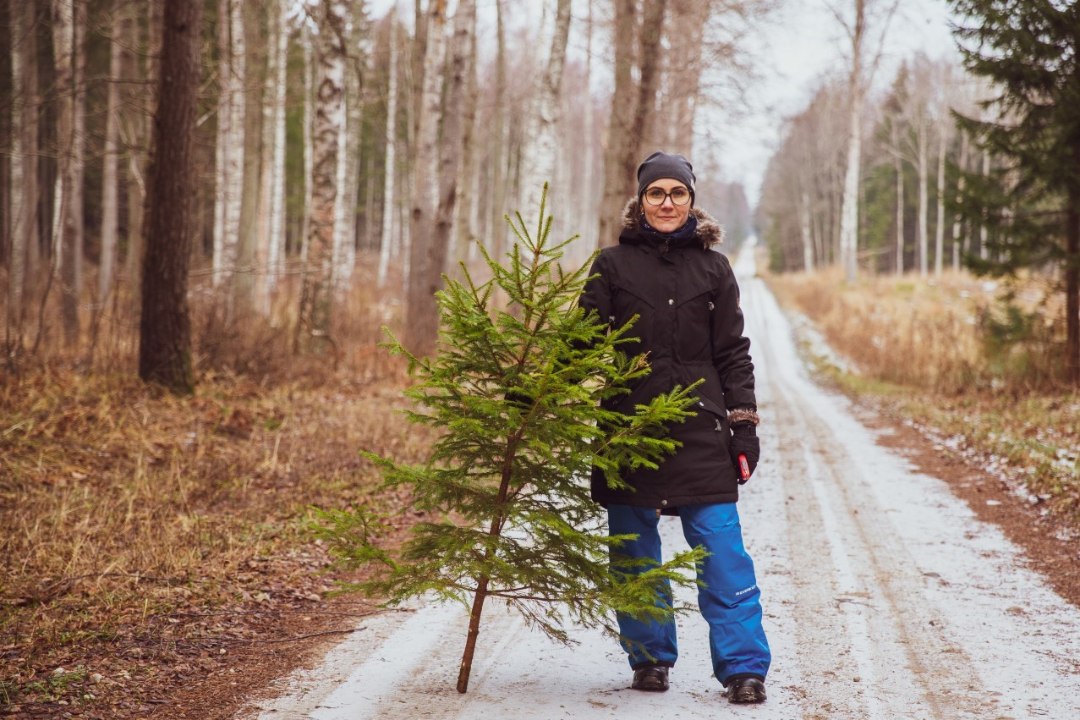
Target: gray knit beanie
column 665, row 165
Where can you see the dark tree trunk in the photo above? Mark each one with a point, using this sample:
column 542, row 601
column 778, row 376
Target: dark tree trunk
column 165, row 327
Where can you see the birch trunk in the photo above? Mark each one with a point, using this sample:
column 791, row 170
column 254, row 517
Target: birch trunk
column 957, row 228
column 689, row 19
column 349, row 168
column 386, row 244
column 67, row 227
column 453, row 127
column 805, row 234
column 427, row 254
column 924, row 202
column 274, row 243
column 939, row 229
column 898, row 166
column 111, row 160
column 468, row 201
column 230, row 146
column 544, row 149
column 849, row 213
column 316, row 296
column 498, row 227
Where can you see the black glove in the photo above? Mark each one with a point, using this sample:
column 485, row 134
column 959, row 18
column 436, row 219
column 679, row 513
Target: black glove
column 744, row 441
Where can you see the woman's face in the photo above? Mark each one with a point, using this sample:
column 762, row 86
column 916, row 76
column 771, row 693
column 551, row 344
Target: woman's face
column 666, row 217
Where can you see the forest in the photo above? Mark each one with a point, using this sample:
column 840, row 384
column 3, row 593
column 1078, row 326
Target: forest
column 212, row 212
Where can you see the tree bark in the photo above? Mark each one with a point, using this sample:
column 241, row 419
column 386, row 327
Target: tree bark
column 939, row 229
column 68, row 224
column 618, row 160
column 849, row 213
column 427, row 254
column 230, row 147
column 24, row 173
column 689, row 18
column 499, row 141
column 119, row 33
column 165, row 326
column 386, row 243
column 316, row 296
column 273, row 245
column 543, row 154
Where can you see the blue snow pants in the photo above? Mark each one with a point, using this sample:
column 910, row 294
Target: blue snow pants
column 728, row 597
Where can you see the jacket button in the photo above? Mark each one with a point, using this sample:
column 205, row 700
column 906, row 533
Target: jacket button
column 671, row 301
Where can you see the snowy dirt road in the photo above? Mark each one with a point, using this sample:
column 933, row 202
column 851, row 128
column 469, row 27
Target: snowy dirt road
column 885, row 599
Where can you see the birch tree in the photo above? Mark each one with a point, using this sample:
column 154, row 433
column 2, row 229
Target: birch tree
column 427, row 254
column 544, row 151
column 386, row 245
column 229, row 166
column 316, row 296
column 68, row 22
column 452, row 145
column 859, row 76
column 119, row 32
column 273, row 245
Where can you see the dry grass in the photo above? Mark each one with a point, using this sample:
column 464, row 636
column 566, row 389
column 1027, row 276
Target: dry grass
column 138, row 526
column 938, row 354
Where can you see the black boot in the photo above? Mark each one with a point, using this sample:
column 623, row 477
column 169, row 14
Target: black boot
column 651, row 678
column 746, row 691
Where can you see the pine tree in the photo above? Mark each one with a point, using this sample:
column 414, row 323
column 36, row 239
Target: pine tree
column 516, row 396
column 1030, row 50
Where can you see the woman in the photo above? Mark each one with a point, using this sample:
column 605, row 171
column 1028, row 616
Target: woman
column 689, row 323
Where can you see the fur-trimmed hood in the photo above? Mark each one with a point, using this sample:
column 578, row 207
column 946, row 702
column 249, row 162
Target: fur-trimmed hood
column 709, row 231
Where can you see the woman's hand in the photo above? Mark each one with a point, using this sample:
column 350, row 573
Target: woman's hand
column 744, row 441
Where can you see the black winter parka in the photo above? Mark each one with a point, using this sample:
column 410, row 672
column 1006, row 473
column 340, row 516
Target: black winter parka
column 690, row 324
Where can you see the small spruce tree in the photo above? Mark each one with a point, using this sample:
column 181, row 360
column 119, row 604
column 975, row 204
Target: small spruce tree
column 516, row 395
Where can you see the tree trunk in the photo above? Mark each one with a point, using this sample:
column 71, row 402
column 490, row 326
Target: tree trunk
column 984, row 229
column 543, row 154
column 849, row 213
column 273, row 245
column 619, row 160
column 427, row 254
column 386, row 243
column 316, row 296
column 468, row 202
column 1072, row 285
column 349, row 167
column 957, row 228
column 165, row 326
column 499, row 140
column 111, row 159
column 804, row 233
column 924, row 200
column 689, row 19
column 230, row 147
column 140, row 135
column 451, row 148
column 939, row 229
column 67, row 227
column 24, row 164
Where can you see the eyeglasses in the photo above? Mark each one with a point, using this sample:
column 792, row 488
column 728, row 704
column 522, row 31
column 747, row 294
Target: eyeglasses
column 655, row 196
